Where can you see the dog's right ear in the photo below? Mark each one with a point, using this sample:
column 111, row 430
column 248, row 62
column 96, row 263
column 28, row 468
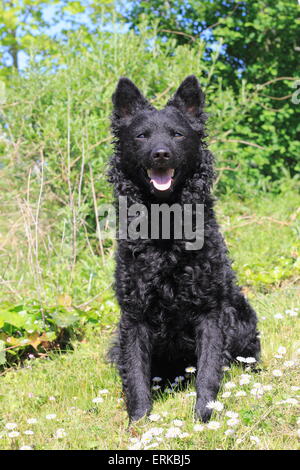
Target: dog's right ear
column 127, row 99
column 189, row 98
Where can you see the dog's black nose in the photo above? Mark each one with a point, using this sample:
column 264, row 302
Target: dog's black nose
column 161, row 153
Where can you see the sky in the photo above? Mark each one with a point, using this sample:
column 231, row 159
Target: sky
column 48, row 13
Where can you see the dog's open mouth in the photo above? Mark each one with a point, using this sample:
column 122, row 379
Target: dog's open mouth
column 161, row 178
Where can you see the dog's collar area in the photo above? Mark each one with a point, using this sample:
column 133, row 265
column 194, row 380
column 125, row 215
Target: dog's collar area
column 161, row 178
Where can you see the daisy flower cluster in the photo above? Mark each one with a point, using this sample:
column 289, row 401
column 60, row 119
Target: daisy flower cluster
column 176, row 384
column 154, row 436
column 16, row 434
column 288, row 313
column 99, row 398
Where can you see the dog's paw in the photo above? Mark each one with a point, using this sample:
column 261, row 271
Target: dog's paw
column 138, row 414
column 202, row 412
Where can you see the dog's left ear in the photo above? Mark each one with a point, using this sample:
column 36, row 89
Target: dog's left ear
column 127, row 99
column 189, row 97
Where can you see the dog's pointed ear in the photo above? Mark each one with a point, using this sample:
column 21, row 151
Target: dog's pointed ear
column 127, row 99
column 189, row 98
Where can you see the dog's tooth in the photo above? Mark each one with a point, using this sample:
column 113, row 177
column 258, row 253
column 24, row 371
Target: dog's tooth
column 149, row 173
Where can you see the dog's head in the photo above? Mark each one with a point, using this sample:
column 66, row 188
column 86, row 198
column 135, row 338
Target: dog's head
column 159, row 148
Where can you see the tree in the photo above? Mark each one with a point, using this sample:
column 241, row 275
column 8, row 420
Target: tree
column 36, row 25
column 260, row 44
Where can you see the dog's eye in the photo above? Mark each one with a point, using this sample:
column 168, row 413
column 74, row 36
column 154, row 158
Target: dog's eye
column 177, row 134
column 141, row 136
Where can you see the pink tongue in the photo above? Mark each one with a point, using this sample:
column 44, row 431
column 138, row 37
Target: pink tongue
column 161, row 179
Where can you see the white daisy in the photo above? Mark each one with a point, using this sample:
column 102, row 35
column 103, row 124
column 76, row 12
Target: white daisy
column 155, row 431
column 281, row 350
column 11, row 425
column 173, row 432
column 146, row 437
column 241, row 359
column 289, row 363
column 257, row 392
column 198, row 427
column 31, row 421
column 233, row 422
column 215, row 405
column 155, row 387
column 229, row 432
column 136, row 446
column 180, row 378
column 183, row 435
column 13, row 434
column 60, row 433
column 214, row 425
column 150, row 446
column 244, row 381
column 190, row 370
column 240, row 393
column 278, row 316
column 229, row 385
column 250, row 360
column 291, row 401
column 292, row 312
column 277, row 373
column 231, row 414
column 178, row 422
column 226, row 394
column 97, row 400
column 254, row 439
column 154, row 417
column 134, row 440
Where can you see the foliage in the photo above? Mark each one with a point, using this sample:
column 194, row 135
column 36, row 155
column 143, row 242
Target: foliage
column 55, row 144
column 262, row 260
column 35, row 329
column 263, row 236
column 260, row 45
column 64, row 387
column 32, row 27
column 57, row 120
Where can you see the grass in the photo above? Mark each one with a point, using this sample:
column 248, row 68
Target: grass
column 260, row 234
column 66, row 384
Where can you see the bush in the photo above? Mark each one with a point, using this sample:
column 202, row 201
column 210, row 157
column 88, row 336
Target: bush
column 58, row 111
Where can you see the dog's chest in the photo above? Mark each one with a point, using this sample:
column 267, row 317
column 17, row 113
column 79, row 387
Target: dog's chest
column 168, row 286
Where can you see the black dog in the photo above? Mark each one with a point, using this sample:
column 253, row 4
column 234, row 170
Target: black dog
column 180, row 307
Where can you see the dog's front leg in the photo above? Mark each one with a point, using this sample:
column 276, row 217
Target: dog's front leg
column 135, row 368
column 209, row 346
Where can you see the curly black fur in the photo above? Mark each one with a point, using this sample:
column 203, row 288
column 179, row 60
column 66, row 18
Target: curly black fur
column 179, row 308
